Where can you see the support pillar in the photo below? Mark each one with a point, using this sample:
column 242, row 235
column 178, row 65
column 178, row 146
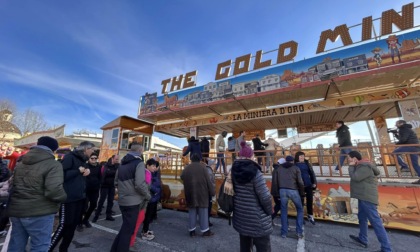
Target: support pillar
column 383, row 139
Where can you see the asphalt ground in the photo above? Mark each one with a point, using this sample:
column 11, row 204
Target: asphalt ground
column 171, row 234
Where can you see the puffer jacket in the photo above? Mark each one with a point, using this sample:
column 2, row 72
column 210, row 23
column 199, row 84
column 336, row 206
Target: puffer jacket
column 364, row 181
column 37, row 185
column 343, row 136
column 132, row 187
column 406, row 135
column 193, row 147
column 108, row 176
column 252, row 200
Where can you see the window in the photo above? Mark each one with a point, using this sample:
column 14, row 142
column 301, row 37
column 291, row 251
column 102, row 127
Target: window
column 114, row 138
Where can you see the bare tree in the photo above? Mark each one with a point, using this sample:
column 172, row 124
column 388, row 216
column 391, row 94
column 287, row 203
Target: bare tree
column 30, row 121
column 7, row 105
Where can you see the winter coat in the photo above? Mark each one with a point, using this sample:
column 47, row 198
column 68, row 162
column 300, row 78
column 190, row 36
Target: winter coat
column 258, row 144
column 74, row 181
column 288, row 177
column 205, row 147
column 343, row 136
column 238, row 143
column 193, row 147
column 271, row 144
column 406, row 135
column 364, row 181
column 131, row 184
column 307, row 173
column 220, row 144
column 4, row 171
column 93, row 180
column 252, row 200
column 274, row 183
column 155, row 188
column 197, row 185
column 37, row 185
column 108, row 176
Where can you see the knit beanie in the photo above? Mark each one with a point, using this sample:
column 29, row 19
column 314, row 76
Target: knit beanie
column 290, row 159
column 246, row 151
column 48, row 142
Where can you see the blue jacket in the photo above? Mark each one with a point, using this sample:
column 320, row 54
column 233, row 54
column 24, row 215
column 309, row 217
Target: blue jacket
column 155, row 188
column 308, row 175
column 193, row 147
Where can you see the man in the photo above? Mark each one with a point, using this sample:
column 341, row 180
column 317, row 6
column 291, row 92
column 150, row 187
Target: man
column 258, row 148
column 133, row 195
column 344, row 142
column 220, row 149
column 364, row 188
column 239, row 140
column 193, row 147
column 107, row 188
column 37, row 193
column 205, row 148
column 271, row 151
column 197, row 188
column 275, row 188
column 93, row 183
column 406, row 135
column 71, row 210
column 290, row 185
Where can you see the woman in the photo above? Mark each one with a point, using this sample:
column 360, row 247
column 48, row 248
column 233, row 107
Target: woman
column 309, row 181
column 252, row 203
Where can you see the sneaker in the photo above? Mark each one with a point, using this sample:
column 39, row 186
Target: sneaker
column 311, row 219
column 192, row 233
column 416, row 182
column 283, row 236
column 148, row 237
column 79, row 228
column 208, row 233
column 210, row 224
column 150, row 232
column 110, row 218
column 356, row 239
column 299, row 236
column 3, row 233
column 95, row 219
column 87, row 224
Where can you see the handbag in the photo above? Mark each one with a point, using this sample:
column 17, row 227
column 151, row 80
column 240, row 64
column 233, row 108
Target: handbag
column 225, row 198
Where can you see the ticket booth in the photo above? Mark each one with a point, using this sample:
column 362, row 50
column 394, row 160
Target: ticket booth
column 120, row 133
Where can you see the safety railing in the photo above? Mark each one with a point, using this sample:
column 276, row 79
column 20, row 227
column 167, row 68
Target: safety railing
column 323, row 160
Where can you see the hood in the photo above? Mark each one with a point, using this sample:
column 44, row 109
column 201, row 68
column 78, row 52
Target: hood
column 130, row 157
column 406, row 125
column 276, row 166
column 342, row 127
column 367, row 162
column 244, row 170
column 288, row 165
column 36, row 155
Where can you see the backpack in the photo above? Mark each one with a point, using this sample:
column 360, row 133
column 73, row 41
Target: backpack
column 225, row 202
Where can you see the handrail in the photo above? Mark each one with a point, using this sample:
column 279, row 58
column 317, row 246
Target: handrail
column 323, row 160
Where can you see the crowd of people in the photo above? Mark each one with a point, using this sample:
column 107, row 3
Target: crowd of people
column 78, row 186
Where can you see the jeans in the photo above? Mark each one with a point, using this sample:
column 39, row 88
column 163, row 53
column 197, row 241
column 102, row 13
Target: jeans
column 203, row 218
column 38, row 228
column 414, row 157
column 247, row 243
column 285, row 195
column 369, row 211
column 269, row 159
column 221, row 159
column 343, row 156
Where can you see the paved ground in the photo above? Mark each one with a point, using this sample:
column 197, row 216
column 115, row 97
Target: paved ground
column 172, row 235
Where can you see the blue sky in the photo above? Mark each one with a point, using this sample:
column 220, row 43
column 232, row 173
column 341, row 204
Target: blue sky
column 84, row 63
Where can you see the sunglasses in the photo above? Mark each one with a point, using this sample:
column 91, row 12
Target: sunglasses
column 93, row 158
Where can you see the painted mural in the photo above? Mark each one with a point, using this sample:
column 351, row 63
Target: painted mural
column 393, row 49
column 398, row 205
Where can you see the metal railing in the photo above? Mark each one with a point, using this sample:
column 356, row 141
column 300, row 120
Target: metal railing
column 323, row 161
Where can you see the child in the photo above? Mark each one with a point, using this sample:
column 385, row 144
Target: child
column 150, row 166
column 155, row 190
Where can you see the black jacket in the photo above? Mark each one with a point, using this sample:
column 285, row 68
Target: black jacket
column 108, row 177
column 406, row 135
column 93, row 180
column 74, row 181
column 258, row 144
column 252, row 200
column 343, row 136
column 193, row 147
column 205, row 147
